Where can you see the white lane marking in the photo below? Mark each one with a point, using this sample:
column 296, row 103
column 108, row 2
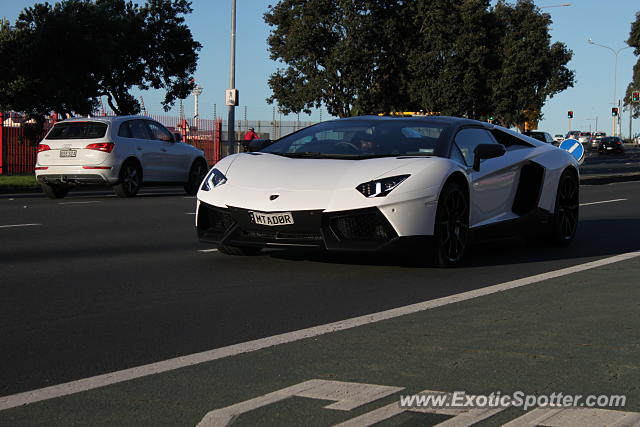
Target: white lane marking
column 189, row 213
column 207, row 250
column 189, row 197
column 18, row 225
column 116, row 377
column 79, row 203
column 603, row 201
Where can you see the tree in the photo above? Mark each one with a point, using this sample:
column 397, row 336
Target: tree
column 634, row 86
column 453, row 57
column 531, row 69
column 67, row 55
column 345, row 54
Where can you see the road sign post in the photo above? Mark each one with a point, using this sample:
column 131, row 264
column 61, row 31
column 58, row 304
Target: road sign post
column 574, row 147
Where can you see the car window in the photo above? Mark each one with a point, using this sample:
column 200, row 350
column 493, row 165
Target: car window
column 158, row 132
column 365, row 137
column 138, row 129
column 124, row 131
column 468, row 139
column 77, row 130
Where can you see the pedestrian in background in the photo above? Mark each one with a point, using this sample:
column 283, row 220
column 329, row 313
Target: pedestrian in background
column 250, row 135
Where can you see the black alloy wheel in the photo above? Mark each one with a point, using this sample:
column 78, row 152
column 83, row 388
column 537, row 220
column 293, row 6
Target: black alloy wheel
column 452, row 226
column 565, row 223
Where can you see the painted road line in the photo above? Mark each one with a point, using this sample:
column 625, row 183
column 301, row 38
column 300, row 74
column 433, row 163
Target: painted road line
column 79, row 203
column 603, row 201
column 189, row 213
column 116, row 377
column 207, row 250
column 18, row 225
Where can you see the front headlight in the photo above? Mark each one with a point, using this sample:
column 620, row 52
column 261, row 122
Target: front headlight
column 380, row 187
column 215, row 178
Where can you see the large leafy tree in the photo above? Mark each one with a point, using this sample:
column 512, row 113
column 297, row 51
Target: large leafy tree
column 345, row 54
column 75, row 51
column 455, row 57
column 451, row 57
column 531, row 68
column 634, row 86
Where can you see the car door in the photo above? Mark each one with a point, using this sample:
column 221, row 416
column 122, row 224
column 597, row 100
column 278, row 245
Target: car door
column 148, row 151
column 175, row 155
column 493, row 186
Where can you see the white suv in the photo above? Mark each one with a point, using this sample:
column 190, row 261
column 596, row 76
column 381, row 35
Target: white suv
column 121, row 151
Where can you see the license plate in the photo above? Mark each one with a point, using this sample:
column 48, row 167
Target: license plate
column 609, row 148
column 68, row 153
column 272, row 219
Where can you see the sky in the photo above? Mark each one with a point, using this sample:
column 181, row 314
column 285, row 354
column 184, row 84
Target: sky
column 606, row 22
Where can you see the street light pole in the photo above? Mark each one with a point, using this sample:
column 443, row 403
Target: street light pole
column 556, row 5
column 231, row 143
column 615, row 77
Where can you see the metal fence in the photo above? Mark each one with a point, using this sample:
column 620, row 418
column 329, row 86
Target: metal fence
column 19, row 140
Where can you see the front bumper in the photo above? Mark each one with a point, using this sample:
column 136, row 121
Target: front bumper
column 355, row 230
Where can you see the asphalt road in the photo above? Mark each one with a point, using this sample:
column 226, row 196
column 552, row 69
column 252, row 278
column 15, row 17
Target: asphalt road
column 611, row 164
column 98, row 284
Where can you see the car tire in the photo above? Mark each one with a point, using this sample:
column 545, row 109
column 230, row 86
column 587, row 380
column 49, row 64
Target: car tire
column 564, row 221
column 239, row 250
column 451, row 228
column 197, row 173
column 54, row 191
column 130, row 180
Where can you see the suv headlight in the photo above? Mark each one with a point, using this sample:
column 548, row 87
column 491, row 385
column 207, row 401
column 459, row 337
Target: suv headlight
column 380, row 187
column 215, row 178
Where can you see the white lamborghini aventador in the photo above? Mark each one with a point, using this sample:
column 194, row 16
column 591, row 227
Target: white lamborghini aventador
column 377, row 183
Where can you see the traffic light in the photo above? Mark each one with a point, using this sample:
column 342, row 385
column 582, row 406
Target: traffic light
column 570, row 114
column 635, row 97
column 614, row 111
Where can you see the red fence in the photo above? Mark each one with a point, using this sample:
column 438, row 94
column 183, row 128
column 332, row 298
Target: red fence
column 18, row 141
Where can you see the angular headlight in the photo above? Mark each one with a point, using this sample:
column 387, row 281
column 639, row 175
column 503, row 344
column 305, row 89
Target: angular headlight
column 381, row 187
column 215, row 178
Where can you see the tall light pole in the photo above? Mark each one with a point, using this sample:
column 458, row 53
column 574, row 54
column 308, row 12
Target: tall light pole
column 615, row 78
column 556, row 5
column 196, row 92
column 232, row 92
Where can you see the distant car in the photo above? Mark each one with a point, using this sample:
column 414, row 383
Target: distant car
column 121, row 151
column 573, row 134
column 584, row 137
column 375, row 183
column 610, row 145
column 558, row 138
column 540, row 136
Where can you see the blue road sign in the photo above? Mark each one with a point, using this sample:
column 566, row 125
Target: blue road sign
column 574, row 147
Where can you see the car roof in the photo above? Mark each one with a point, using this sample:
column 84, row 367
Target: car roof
column 104, row 119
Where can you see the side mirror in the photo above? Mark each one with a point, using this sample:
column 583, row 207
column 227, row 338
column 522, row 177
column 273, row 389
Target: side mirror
column 177, row 137
column 258, row 144
column 487, row 151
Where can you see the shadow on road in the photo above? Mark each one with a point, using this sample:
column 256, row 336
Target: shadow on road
column 595, row 238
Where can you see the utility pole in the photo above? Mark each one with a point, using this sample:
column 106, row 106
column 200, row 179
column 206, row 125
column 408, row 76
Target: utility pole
column 232, row 92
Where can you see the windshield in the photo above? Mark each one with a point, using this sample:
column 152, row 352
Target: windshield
column 363, row 139
column 78, row 130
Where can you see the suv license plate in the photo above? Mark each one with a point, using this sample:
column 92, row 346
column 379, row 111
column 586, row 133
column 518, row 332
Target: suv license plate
column 271, row 219
column 68, row 153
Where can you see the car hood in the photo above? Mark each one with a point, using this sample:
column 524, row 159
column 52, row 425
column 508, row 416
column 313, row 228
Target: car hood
column 307, row 184
column 273, row 172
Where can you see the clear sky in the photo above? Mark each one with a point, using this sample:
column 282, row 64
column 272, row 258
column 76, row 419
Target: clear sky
column 607, row 22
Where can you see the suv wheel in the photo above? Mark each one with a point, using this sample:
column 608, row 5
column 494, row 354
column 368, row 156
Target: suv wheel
column 130, row 180
column 197, row 173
